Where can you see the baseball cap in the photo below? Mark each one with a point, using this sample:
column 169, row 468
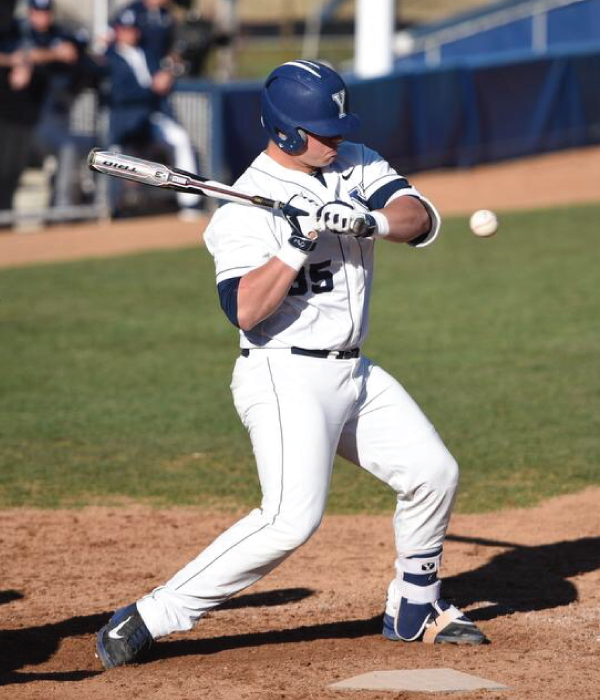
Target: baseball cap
column 47, row 5
column 125, row 18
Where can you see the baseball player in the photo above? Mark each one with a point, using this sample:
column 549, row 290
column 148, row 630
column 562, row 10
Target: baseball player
column 298, row 288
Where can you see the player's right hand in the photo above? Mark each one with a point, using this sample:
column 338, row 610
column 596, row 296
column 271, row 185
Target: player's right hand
column 304, row 229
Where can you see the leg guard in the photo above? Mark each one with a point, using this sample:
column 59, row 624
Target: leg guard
column 409, row 604
column 415, row 611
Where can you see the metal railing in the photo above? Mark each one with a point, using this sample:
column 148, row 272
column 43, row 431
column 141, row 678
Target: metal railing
column 432, row 42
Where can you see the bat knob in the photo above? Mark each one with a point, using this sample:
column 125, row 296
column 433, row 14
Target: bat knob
column 359, row 227
column 91, row 159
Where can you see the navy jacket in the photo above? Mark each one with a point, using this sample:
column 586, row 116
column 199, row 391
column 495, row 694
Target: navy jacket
column 131, row 103
column 157, row 27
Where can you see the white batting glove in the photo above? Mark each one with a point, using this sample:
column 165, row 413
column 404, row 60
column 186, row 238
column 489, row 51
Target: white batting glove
column 300, row 213
column 304, row 225
column 341, row 218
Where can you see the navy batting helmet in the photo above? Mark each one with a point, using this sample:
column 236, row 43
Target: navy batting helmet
column 302, row 96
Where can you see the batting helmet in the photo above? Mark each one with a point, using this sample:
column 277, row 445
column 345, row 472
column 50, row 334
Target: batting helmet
column 302, row 96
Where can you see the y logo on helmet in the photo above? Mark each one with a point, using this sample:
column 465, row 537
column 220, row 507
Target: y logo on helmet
column 340, row 98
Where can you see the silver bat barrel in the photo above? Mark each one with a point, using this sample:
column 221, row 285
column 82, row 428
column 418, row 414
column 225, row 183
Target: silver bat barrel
column 159, row 175
column 129, row 168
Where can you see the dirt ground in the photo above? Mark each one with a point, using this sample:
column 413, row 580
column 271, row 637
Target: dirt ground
column 530, row 578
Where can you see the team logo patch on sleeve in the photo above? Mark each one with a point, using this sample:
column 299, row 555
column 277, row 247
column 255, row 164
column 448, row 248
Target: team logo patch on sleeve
column 358, row 195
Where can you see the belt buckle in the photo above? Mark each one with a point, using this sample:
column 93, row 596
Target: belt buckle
column 335, row 354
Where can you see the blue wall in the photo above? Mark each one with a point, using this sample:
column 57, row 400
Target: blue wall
column 452, row 116
column 577, row 23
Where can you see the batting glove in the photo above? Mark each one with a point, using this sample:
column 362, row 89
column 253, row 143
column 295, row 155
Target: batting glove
column 304, row 232
column 341, row 218
column 304, row 225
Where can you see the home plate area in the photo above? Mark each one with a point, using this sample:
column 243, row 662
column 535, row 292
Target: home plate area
column 424, row 680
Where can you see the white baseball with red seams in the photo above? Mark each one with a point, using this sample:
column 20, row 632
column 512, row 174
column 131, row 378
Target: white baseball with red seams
column 483, row 223
column 299, row 411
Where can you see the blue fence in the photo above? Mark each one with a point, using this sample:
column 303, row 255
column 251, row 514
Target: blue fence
column 452, row 116
column 528, row 26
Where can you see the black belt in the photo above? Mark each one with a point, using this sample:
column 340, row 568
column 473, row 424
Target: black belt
column 331, row 354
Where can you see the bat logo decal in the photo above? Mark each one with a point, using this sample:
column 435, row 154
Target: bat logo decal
column 120, row 166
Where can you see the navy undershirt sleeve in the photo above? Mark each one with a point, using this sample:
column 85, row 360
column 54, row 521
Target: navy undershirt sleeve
column 228, row 291
column 379, row 198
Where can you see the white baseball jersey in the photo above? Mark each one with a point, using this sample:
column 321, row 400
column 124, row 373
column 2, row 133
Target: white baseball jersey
column 328, row 305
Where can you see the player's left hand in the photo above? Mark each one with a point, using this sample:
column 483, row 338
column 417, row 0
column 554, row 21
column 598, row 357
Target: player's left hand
column 339, row 217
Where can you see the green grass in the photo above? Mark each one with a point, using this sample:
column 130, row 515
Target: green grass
column 114, row 374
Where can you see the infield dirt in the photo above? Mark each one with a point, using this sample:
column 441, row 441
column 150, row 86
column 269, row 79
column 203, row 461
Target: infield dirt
column 530, row 578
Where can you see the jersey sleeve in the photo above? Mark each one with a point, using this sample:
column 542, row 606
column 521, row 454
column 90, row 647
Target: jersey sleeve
column 382, row 184
column 240, row 239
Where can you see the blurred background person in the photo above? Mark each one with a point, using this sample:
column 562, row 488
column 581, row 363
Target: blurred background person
column 139, row 112
column 38, row 57
column 22, row 91
column 177, row 35
column 157, row 25
column 11, row 125
column 62, row 63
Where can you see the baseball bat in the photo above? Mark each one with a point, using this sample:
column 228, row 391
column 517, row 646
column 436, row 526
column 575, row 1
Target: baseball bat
column 148, row 172
column 159, row 175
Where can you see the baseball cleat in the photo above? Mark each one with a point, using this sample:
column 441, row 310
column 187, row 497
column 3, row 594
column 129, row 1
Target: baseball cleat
column 440, row 622
column 123, row 639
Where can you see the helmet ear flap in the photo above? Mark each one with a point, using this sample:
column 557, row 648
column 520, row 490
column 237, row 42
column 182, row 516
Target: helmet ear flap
column 303, row 136
column 295, row 141
column 291, row 139
column 292, row 142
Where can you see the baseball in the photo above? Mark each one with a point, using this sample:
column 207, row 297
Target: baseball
column 483, row 223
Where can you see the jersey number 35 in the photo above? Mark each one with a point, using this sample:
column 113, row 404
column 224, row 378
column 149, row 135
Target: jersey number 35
column 319, row 277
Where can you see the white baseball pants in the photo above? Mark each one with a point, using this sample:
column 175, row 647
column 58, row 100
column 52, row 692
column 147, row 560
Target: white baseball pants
column 299, row 411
